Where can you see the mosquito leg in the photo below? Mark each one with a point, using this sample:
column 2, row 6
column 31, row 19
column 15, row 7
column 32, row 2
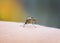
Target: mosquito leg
column 24, row 25
column 34, row 25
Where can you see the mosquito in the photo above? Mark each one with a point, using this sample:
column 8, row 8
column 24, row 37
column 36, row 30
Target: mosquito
column 30, row 20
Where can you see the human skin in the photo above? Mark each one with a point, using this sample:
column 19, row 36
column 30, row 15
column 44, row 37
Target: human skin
column 13, row 32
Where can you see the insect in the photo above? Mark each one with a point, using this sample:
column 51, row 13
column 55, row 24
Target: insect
column 30, row 20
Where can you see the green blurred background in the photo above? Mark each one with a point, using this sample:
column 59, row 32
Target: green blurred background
column 47, row 12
